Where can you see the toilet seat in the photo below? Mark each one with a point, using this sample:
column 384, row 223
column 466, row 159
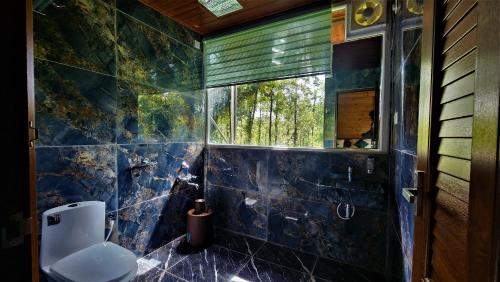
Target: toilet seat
column 106, row 262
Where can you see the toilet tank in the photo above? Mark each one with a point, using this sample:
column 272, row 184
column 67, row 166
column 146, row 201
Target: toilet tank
column 69, row 228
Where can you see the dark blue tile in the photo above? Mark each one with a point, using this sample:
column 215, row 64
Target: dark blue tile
column 322, row 177
column 287, row 257
column 335, row 271
column 316, row 228
column 298, row 224
column 137, row 225
column 238, row 168
column 259, row 270
column 240, row 211
column 236, row 242
column 211, row 264
column 77, row 33
column 150, row 57
column 156, row 20
column 405, row 167
column 406, row 225
column 151, row 115
column 167, row 256
column 73, row 106
column 407, row 270
column 172, row 222
column 360, row 241
column 74, row 174
column 148, row 171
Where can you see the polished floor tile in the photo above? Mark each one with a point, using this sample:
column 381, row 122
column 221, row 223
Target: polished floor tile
column 238, row 258
column 262, row 271
column 212, row 264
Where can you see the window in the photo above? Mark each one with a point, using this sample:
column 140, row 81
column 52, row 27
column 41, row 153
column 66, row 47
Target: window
column 285, row 113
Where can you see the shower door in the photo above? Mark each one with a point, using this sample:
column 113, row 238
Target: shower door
column 456, row 232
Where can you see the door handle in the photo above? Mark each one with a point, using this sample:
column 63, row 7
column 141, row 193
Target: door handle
column 413, row 195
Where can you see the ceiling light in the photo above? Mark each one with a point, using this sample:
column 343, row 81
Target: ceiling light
column 221, row 7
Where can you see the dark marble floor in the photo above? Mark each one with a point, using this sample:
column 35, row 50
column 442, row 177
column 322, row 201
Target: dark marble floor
column 237, row 258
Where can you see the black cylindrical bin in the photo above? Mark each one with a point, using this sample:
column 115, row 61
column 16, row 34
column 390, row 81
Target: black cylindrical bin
column 199, row 225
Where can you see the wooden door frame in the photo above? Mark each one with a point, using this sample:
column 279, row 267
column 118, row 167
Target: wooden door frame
column 483, row 245
column 484, row 203
column 422, row 222
column 30, row 89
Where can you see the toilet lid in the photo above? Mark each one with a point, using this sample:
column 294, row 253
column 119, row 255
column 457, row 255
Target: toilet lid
column 100, row 262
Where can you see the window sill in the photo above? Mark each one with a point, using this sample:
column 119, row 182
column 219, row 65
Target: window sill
column 299, row 149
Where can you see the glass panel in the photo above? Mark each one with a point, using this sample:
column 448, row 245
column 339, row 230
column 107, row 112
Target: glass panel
column 286, row 113
column 171, row 116
column 219, row 115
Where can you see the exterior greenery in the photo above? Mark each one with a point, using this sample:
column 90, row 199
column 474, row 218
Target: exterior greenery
column 286, row 112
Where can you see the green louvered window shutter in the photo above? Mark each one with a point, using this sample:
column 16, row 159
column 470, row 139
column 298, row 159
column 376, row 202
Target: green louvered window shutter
column 293, row 47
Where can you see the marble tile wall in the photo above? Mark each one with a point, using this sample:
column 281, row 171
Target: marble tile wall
column 119, row 106
column 405, row 93
column 291, row 197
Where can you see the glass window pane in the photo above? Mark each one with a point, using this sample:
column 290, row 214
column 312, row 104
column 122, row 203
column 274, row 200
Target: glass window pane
column 219, row 115
column 286, row 112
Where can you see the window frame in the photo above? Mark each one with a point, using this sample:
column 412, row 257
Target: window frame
column 383, row 104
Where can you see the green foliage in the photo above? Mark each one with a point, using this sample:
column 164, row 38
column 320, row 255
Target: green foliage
column 285, row 112
column 175, row 116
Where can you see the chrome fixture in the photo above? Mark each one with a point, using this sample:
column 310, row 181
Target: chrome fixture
column 349, row 174
column 345, row 211
column 370, row 165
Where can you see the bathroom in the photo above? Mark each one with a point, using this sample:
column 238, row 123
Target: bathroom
column 252, row 140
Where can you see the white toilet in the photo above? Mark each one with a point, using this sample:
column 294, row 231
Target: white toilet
column 73, row 247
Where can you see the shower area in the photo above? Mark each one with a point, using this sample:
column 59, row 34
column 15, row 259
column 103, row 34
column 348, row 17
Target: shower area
column 132, row 111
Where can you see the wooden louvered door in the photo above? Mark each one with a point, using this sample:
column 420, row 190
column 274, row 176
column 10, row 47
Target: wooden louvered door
column 458, row 142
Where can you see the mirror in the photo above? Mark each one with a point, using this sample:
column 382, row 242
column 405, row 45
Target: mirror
column 352, row 115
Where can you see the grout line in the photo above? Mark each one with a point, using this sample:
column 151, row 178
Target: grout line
column 74, row 67
column 116, row 144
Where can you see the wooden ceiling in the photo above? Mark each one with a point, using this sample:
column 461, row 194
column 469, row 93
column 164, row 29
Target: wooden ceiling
column 196, row 17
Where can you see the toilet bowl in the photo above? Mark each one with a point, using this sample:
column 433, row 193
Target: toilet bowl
column 73, row 246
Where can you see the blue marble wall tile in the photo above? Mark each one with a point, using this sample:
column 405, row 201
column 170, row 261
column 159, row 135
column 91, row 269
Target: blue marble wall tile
column 238, row 168
column 156, row 168
column 405, row 177
column 150, row 57
column 173, row 220
column 411, row 88
column 405, row 167
column 293, row 174
column 298, row 224
column 156, row 20
column 73, row 106
column 74, row 174
column 77, row 33
column 323, row 177
column 240, row 211
column 315, row 228
column 137, row 225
